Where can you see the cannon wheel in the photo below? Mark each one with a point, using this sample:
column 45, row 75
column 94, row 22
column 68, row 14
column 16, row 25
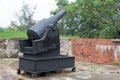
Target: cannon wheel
column 43, row 74
column 33, row 75
column 73, row 69
column 18, row 71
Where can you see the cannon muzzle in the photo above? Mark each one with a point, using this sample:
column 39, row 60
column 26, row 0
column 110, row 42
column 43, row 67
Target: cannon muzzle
column 59, row 15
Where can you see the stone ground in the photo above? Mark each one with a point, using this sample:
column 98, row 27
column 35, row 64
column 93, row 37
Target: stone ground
column 84, row 71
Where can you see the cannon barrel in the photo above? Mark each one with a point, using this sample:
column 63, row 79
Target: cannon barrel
column 59, row 15
column 37, row 31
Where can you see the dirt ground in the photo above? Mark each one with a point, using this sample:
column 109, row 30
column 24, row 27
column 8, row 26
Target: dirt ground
column 84, row 71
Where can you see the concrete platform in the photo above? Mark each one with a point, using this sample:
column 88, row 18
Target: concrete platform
column 85, row 71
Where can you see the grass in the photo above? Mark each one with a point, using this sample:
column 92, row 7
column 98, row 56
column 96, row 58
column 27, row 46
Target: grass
column 67, row 36
column 12, row 34
column 9, row 34
column 95, row 67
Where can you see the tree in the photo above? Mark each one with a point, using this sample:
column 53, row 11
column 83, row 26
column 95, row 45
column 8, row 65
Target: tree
column 24, row 19
column 61, row 4
column 91, row 18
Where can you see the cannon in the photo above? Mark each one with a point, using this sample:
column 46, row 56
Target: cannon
column 41, row 50
column 37, row 31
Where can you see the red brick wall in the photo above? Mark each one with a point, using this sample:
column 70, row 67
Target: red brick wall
column 93, row 50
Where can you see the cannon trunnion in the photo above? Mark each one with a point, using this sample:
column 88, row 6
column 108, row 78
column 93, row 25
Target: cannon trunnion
column 41, row 51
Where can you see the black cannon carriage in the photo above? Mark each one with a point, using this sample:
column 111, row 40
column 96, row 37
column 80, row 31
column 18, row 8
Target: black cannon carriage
column 41, row 51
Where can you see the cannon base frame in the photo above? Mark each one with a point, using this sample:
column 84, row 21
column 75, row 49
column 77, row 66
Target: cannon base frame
column 40, row 65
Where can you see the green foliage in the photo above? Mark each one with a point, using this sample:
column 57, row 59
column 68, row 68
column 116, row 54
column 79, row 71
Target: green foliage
column 90, row 18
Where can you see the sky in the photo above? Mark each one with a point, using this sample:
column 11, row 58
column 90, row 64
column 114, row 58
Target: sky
column 8, row 8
